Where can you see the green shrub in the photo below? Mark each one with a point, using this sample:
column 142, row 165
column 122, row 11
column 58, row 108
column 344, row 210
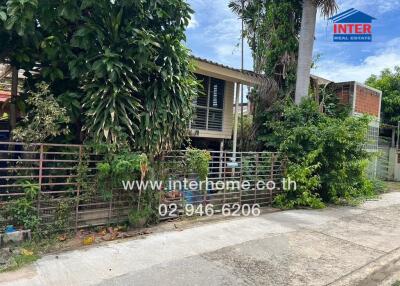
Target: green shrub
column 379, row 186
column 198, row 162
column 331, row 148
column 307, row 182
column 126, row 166
column 23, row 211
column 45, row 120
column 139, row 218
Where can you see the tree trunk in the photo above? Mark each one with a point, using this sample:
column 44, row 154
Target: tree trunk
column 306, row 46
column 14, row 94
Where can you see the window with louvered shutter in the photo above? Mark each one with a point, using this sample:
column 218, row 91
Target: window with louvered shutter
column 209, row 105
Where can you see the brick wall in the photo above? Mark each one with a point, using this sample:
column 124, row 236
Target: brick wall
column 367, row 101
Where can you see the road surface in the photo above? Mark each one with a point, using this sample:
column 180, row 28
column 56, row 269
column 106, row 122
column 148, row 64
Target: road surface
column 334, row 246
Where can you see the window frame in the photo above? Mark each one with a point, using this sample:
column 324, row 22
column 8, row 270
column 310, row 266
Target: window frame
column 209, row 108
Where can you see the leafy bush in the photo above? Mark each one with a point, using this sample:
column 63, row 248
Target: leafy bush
column 45, row 120
column 120, row 65
column 379, row 186
column 323, row 149
column 23, row 211
column 389, row 83
column 198, row 162
column 139, row 218
column 307, row 183
column 117, row 168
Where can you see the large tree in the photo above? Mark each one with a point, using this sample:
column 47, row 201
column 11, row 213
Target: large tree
column 306, row 42
column 120, row 66
column 389, row 83
column 271, row 28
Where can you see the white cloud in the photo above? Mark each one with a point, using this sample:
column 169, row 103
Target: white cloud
column 193, row 23
column 224, row 30
column 337, row 70
column 218, row 37
column 226, row 50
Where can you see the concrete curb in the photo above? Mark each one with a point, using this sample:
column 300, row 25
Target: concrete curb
column 373, row 273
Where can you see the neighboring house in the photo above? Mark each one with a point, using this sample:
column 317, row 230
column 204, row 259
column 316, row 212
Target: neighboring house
column 247, row 108
column 362, row 99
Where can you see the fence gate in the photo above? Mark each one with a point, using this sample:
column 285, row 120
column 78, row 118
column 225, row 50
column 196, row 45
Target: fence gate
column 382, row 167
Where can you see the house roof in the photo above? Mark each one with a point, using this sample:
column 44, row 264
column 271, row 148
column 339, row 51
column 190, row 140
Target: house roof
column 352, row 16
column 249, row 73
column 321, row 80
column 214, row 69
column 204, row 66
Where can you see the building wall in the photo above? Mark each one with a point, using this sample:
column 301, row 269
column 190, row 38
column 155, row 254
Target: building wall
column 367, row 101
column 361, row 98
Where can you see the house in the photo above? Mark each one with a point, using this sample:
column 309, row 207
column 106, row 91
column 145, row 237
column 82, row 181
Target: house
column 213, row 121
column 214, row 110
column 362, row 99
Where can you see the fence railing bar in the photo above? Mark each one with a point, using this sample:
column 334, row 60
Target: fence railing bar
column 40, row 178
column 56, row 171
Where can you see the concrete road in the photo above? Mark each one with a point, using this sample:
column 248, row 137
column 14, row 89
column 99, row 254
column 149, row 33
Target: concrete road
column 334, row 246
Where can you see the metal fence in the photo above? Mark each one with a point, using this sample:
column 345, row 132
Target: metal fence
column 234, row 180
column 54, row 170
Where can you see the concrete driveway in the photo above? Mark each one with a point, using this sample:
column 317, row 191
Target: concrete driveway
column 334, row 246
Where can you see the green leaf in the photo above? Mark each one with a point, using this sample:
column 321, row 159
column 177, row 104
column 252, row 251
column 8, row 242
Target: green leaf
column 3, row 16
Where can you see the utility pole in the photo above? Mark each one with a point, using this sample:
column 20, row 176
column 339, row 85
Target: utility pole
column 242, row 91
column 236, row 120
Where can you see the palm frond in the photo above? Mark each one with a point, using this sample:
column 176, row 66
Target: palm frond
column 328, row 7
column 236, row 6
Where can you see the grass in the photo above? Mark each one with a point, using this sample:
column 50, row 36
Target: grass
column 19, row 261
column 393, row 186
column 29, row 252
column 397, row 283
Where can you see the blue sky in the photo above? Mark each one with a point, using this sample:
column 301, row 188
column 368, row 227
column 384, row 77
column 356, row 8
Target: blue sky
column 214, row 33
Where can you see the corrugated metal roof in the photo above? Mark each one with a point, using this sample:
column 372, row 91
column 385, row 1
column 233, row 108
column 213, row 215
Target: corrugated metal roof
column 247, row 72
column 252, row 73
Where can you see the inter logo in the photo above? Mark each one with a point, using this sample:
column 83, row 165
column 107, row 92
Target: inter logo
column 352, row 26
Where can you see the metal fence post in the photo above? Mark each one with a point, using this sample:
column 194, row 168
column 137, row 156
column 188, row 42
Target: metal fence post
column 241, row 178
column 256, row 180
column 272, row 175
column 224, row 170
column 111, row 205
column 41, row 158
column 78, row 191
